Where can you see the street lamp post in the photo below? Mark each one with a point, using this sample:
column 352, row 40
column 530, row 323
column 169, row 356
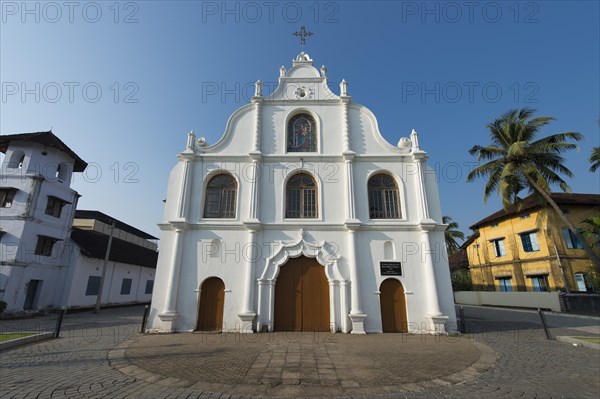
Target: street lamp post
column 104, row 266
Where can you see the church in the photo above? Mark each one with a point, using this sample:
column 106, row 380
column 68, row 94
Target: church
column 302, row 217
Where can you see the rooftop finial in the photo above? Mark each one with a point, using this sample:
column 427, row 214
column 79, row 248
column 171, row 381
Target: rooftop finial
column 343, row 88
column 303, row 34
column 414, row 138
column 258, row 89
column 190, row 141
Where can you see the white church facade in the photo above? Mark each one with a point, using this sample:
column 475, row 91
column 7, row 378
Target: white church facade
column 302, row 217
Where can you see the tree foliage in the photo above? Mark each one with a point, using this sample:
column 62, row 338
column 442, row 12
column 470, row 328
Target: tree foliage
column 517, row 160
column 451, row 234
column 595, row 159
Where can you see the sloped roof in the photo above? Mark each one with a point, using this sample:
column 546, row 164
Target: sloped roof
column 104, row 218
column 469, row 240
column 531, row 202
column 46, row 138
column 458, row 260
column 93, row 245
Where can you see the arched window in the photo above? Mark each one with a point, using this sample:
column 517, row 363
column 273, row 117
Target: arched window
column 301, row 197
column 16, row 160
column 220, row 197
column 383, row 197
column 302, row 134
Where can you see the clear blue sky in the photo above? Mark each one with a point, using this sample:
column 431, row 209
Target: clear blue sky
column 167, row 67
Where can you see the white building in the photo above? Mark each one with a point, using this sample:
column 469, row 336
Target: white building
column 41, row 266
column 131, row 266
column 302, row 217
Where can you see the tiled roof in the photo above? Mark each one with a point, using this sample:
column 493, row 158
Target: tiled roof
column 93, row 244
column 104, row 218
column 47, row 139
column 458, row 260
column 531, row 202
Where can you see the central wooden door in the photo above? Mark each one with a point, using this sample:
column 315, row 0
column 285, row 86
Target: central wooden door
column 210, row 309
column 302, row 296
column 393, row 306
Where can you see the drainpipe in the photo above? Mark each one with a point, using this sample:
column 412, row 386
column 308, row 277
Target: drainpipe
column 562, row 271
column 110, row 238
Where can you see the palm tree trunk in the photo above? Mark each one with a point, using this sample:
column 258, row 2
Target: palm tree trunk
column 588, row 249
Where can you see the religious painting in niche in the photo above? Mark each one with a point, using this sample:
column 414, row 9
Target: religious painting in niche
column 302, row 134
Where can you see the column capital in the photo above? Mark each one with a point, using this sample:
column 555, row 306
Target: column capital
column 255, row 155
column 419, row 156
column 352, row 224
column 186, row 156
column 179, row 224
column 252, row 224
column 427, row 225
column 349, row 155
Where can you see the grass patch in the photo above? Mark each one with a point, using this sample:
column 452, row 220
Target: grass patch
column 595, row 340
column 8, row 336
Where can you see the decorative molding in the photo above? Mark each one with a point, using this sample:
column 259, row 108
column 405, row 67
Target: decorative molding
column 322, row 252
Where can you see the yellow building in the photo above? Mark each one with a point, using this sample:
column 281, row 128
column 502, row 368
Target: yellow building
column 531, row 249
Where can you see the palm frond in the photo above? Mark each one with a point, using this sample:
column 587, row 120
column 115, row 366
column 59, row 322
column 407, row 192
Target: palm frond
column 595, row 159
column 514, row 155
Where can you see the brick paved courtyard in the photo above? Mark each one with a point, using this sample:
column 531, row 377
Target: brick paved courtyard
column 505, row 354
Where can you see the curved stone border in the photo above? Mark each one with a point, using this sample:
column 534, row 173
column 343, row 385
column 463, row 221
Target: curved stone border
column 578, row 342
column 25, row 340
column 487, row 359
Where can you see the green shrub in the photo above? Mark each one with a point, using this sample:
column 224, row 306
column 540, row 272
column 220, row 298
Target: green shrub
column 2, row 306
column 461, row 281
column 594, row 279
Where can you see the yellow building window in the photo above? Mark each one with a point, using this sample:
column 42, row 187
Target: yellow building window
column 499, row 249
column 530, row 241
column 571, row 240
column 539, row 283
column 504, row 283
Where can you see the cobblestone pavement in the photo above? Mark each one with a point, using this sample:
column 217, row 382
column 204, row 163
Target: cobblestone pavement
column 304, row 364
column 91, row 360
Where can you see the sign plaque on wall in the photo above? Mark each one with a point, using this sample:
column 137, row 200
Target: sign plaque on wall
column 391, row 268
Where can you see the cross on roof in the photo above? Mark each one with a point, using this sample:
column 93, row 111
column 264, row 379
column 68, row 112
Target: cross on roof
column 303, row 34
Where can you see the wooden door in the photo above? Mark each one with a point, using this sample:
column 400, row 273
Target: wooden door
column 210, row 309
column 302, row 296
column 393, row 306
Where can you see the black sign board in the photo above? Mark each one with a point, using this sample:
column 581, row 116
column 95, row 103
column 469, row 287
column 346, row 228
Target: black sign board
column 391, row 268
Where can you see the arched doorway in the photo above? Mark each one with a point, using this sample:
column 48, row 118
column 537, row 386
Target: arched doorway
column 393, row 306
column 210, row 308
column 302, row 296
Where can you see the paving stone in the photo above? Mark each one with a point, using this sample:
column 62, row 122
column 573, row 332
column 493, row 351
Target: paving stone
column 505, row 355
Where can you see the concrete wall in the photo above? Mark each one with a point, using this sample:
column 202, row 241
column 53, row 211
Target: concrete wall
column 543, row 300
column 84, row 267
column 582, row 303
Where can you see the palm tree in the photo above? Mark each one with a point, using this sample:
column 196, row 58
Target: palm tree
column 595, row 159
column 451, row 234
column 592, row 230
column 519, row 160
